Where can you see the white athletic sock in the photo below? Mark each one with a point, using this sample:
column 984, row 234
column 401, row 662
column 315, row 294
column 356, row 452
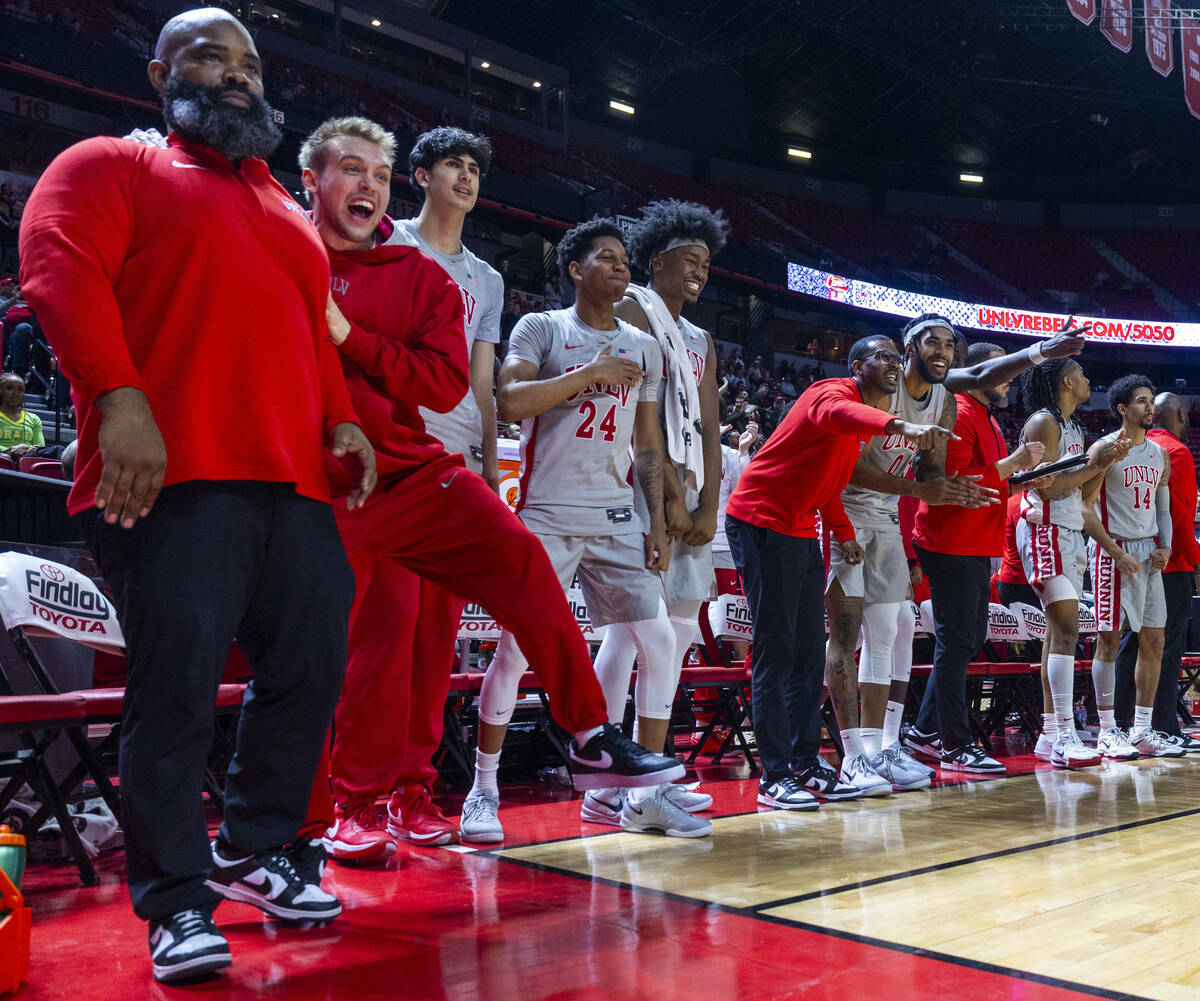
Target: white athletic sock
column 1049, row 726
column 1060, row 669
column 872, row 740
column 1108, row 719
column 641, row 793
column 1141, row 717
column 1104, row 680
column 583, row 736
column 486, row 767
column 852, row 742
column 891, row 723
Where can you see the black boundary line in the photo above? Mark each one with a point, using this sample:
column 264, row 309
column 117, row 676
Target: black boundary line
column 757, row 911
column 986, row 857
column 754, row 914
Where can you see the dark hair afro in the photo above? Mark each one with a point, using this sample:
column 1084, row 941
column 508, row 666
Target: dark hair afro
column 661, row 222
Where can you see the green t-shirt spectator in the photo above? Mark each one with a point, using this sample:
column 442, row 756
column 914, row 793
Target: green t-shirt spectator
column 25, row 430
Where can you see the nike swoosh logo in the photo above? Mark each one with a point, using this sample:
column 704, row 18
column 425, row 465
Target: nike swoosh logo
column 604, row 761
column 449, row 481
column 187, row 166
column 572, row 347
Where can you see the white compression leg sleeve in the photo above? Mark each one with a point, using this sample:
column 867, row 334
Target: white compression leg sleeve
column 498, row 696
column 658, row 675
column 685, row 626
column 880, row 624
column 902, row 653
column 614, row 665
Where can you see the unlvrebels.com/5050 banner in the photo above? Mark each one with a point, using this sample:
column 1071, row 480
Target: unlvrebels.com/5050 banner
column 979, row 316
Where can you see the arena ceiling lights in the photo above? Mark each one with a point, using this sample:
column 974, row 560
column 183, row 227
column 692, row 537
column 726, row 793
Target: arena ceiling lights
column 799, row 154
column 621, row 106
column 971, row 178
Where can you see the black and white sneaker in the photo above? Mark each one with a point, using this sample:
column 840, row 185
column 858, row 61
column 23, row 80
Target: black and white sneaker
column 612, row 759
column 972, row 758
column 1189, row 744
column 928, row 745
column 822, row 780
column 786, row 794
column 308, row 858
column 269, row 881
column 187, row 944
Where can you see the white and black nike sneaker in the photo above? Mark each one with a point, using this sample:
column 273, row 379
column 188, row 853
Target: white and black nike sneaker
column 308, row 858
column 612, row 759
column 822, row 780
column 786, row 794
column 972, row 758
column 269, row 881
column 187, row 944
column 928, row 745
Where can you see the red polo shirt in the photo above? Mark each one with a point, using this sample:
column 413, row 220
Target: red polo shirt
column 961, row 531
column 1185, row 553
column 806, row 463
column 200, row 283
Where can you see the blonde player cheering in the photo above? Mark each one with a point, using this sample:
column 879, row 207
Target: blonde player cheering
column 584, row 385
column 1131, row 544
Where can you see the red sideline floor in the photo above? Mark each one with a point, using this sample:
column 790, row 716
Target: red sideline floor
column 455, row 924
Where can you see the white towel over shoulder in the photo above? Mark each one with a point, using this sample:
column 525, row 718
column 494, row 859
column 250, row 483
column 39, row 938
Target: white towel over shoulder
column 682, row 404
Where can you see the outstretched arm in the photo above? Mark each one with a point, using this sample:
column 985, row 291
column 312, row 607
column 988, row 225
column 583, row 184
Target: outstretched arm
column 997, row 371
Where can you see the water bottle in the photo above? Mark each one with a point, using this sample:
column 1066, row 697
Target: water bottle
column 12, row 856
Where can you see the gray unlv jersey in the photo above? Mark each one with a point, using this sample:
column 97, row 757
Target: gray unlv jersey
column 1126, row 502
column 482, row 291
column 1066, row 511
column 892, row 454
column 575, row 458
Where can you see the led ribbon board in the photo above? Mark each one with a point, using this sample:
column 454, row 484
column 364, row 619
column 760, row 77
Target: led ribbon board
column 979, row 316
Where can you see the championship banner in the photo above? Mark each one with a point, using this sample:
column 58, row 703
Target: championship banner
column 729, row 617
column 1160, row 43
column 1082, row 10
column 49, row 599
column 1004, row 625
column 1189, row 55
column 1002, row 319
column 1116, row 23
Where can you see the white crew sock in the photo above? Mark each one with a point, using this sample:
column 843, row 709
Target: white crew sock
column 872, row 740
column 583, row 736
column 1060, row 669
column 486, row 767
column 1049, row 726
column 891, row 723
column 1141, row 717
column 1108, row 719
column 852, row 742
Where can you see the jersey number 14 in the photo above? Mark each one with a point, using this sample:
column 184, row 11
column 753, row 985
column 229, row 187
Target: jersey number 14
column 1141, row 499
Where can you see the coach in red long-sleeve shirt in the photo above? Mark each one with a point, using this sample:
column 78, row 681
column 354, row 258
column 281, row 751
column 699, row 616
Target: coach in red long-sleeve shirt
column 771, row 525
column 1181, row 578
column 184, row 292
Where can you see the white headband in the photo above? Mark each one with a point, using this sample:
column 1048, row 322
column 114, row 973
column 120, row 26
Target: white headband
column 915, row 332
column 683, row 241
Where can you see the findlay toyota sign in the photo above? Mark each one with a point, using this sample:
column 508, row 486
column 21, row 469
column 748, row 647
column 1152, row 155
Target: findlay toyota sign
column 981, row 316
column 50, row 599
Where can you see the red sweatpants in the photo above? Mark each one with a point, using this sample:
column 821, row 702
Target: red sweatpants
column 443, row 523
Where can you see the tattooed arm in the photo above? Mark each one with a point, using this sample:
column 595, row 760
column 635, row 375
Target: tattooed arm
column 648, row 459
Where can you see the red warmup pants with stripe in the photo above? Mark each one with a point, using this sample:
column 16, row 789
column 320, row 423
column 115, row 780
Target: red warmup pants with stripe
column 443, row 523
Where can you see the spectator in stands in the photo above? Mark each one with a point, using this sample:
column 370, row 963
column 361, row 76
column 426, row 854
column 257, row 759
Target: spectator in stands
column 8, row 294
column 814, row 348
column 235, row 536
column 18, row 313
column 20, row 430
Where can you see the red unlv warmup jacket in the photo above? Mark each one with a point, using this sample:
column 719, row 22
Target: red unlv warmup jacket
column 1185, row 554
column 405, row 350
column 201, row 284
column 805, row 465
column 961, row 531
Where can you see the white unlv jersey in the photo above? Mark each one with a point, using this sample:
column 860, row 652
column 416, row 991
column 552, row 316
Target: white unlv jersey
column 892, row 454
column 482, row 291
column 575, row 458
column 1066, row 511
column 1126, row 501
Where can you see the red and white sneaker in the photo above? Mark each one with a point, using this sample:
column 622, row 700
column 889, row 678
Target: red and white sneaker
column 412, row 814
column 359, row 834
